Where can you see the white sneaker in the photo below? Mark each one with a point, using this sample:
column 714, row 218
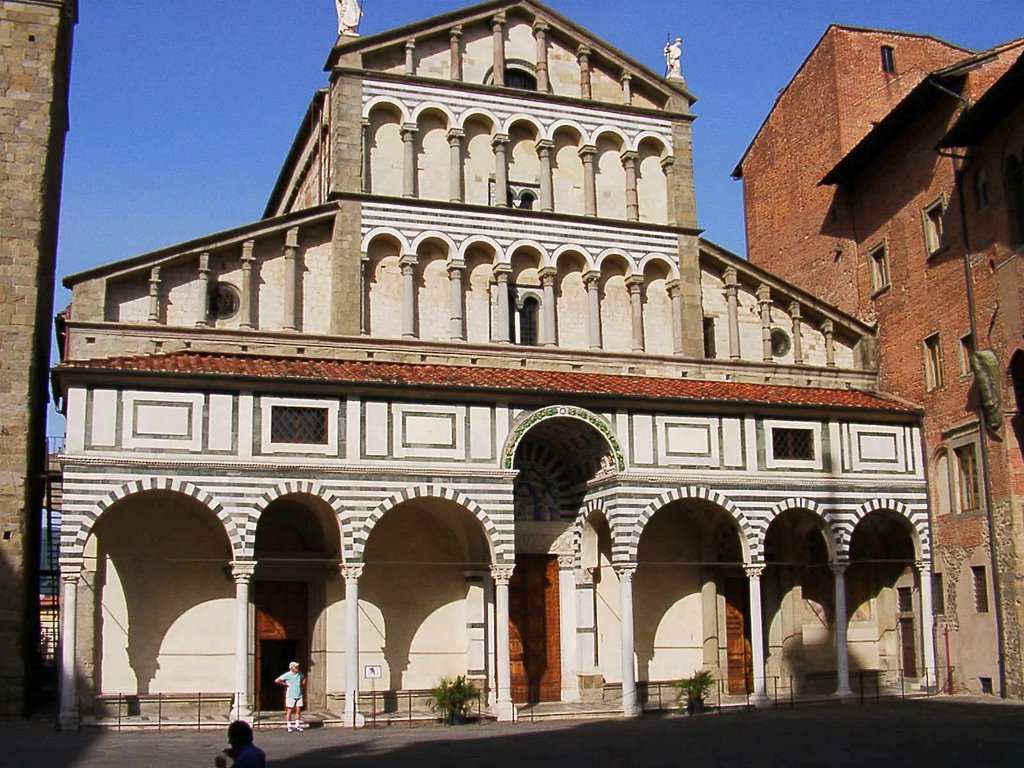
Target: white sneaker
column 298, row 726
column 289, row 727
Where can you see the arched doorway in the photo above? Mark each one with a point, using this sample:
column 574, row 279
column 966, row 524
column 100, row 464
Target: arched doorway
column 799, row 597
column 157, row 561
column 556, row 460
column 297, row 550
column 691, row 599
column 884, row 598
column 425, row 597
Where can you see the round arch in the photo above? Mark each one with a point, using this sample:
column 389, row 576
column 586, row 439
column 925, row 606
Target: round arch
column 917, row 526
column 476, row 113
column 434, row 106
column 658, row 258
column 481, row 240
column 386, row 101
column 697, row 492
column 614, row 253
column 386, row 232
column 545, row 258
column 434, row 234
column 610, row 130
column 579, row 250
column 794, row 502
column 565, row 124
column 530, row 120
column 527, row 421
column 643, row 136
column 307, row 488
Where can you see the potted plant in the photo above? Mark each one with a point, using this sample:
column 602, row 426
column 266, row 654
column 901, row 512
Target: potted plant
column 694, row 689
column 452, row 698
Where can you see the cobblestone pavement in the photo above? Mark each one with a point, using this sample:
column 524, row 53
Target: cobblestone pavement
column 934, row 733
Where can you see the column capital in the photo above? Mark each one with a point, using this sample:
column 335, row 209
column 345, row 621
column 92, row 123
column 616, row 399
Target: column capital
column 455, row 32
column 629, row 157
column 243, row 570
column 625, row 571
column 410, row 44
column 587, row 152
column 923, row 566
column 764, row 294
column 498, row 22
column 540, row 27
column 547, row 276
column 731, row 277
column 502, row 574
column 583, row 53
column 625, row 78
column 455, row 136
column 291, row 238
column 502, row 272
column 585, row 577
column 668, row 165
column 591, row 278
column 839, row 567
column 408, row 261
column 753, row 570
column 674, row 287
column 545, row 145
column 351, row 570
column 794, row 310
column 455, row 265
column 566, row 562
column 247, row 248
column 634, row 283
column 204, row 263
column 408, row 131
column 827, row 328
column 499, row 140
column 71, row 569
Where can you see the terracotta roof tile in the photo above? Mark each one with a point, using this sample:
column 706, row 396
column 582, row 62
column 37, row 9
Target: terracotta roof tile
column 489, row 379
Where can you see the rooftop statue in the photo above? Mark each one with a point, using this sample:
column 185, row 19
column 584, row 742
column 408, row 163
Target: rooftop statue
column 349, row 14
column 673, row 52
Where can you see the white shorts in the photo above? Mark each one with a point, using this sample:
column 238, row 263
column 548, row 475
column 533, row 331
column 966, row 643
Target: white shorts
column 292, row 701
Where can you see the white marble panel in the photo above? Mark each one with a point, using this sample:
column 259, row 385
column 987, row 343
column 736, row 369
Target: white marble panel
column 688, row 442
column 481, row 430
column 164, row 420
column 221, row 422
column 104, row 418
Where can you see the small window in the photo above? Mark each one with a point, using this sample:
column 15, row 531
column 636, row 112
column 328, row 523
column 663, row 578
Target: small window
column 520, row 78
column 905, row 599
column 933, row 373
column 529, row 321
column 709, row 338
column 781, row 343
column 878, row 261
column 934, row 227
column 980, row 190
column 964, row 354
column 938, row 595
column 222, row 301
column 295, row 424
column 967, row 477
column 793, row 444
column 888, row 59
column 526, row 201
column 980, row 588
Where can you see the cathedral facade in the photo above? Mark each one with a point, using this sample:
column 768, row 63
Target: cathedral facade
column 475, row 397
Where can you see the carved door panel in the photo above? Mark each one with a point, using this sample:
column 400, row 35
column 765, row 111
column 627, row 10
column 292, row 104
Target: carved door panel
column 535, row 646
column 738, row 653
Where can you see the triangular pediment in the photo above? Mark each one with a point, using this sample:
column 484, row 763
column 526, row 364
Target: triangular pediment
column 431, row 38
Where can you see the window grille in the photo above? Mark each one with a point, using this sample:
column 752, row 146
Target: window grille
column 967, row 468
column 888, row 59
column 905, row 598
column 980, row 588
column 529, row 317
column 294, row 424
column 793, row 444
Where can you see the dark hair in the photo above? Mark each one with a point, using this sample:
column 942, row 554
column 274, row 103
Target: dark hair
column 239, row 732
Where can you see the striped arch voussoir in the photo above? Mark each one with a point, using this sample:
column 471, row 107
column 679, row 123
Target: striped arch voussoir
column 683, row 494
column 305, row 487
column 891, row 505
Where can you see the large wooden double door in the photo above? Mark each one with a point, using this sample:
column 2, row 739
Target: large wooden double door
column 282, row 611
column 739, row 661
column 534, row 630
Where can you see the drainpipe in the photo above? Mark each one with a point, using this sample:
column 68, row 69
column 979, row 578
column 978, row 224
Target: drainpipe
column 997, row 590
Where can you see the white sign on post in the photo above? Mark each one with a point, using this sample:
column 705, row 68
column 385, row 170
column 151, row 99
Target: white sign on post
column 373, row 672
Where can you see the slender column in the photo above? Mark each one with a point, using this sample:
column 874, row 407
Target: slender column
column 248, row 298
column 675, row 294
column 364, row 295
column 408, row 131
column 69, row 578
column 632, row 201
column 476, row 626
column 500, row 146
column 586, row 607
column 408, row 266
column 668, row 167
column 352, row 572
column 547, row 193
column 830, row 343
column 583, row 57
column 410, row 57
column 498, row 30
column 364, row 133
column 798, row 343
column 242, row 571
column 732, row 287
column 842, row 646
column 548, row 329
column 756, row 631
column 567, row 627
column 455, row 49
column 924, row 572
column 627, row 88
column 709, row 619
column 626, row 572
column 490, row 641
column 540, row 34
column 634, row 284
column 154, row 295
column 458, row 326
column 455, row 137
column 588, row 154
column 502, row 574
column 291, row 279
column 591, row 280
column 203, row 299
column 764, row 301
column 501, row 275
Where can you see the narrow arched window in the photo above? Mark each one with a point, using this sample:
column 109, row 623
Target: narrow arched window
column 526, row 201
column 529, row 321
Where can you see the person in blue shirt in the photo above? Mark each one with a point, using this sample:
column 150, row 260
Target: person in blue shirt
column 243, row 753
column 294, row 683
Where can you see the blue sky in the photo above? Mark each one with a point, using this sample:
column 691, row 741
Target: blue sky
column 182, row 111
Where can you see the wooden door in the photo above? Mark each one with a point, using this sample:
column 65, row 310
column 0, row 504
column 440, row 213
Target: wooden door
column 534, row 632
column 908, row 643
column 739, row 661
column 281, row 629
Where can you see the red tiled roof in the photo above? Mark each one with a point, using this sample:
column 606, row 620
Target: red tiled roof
column 488, row 379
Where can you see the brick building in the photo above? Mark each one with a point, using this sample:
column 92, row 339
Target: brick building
column 35, row 52
column 858, row 197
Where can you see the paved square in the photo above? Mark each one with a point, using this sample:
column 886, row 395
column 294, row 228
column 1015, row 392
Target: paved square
column 934, row 733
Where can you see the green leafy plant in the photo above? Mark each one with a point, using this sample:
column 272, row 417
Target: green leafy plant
column 694, row 689
column 452, row 698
